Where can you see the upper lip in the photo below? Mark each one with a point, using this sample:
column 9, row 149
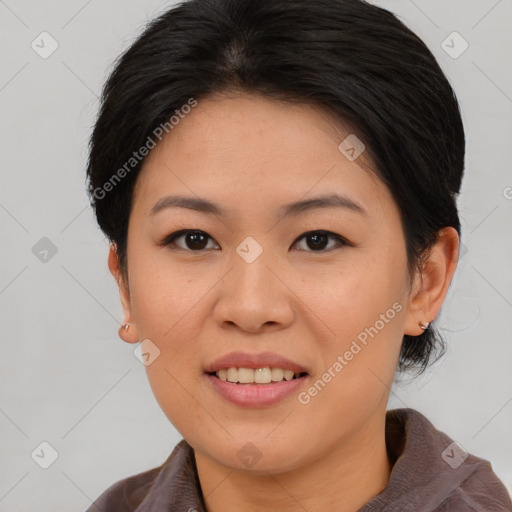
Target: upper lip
column 260, row 360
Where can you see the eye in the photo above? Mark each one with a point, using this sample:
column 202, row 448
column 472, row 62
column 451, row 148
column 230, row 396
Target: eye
column 319, row 241
column 194, row 241
column 197, row 241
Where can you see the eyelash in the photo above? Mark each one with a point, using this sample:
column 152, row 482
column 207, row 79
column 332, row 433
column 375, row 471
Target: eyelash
column 169, row 241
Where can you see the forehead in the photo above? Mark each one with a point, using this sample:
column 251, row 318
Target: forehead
column 259, row 148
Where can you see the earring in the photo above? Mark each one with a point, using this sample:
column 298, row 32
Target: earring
column 126, row 327
column 424, row 326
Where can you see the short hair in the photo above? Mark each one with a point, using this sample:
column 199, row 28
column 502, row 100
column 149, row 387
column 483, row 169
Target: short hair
column 355, row 59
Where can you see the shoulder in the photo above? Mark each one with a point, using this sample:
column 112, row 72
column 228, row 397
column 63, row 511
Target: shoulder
column 126, row 495
column 173, row 484
column 481, row 491
column 433, row 473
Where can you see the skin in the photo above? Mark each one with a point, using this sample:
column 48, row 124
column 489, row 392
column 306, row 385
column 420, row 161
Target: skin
column 252, row 155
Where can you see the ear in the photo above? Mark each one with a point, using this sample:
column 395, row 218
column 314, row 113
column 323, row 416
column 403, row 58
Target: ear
column 127, row 331
column 431, row 285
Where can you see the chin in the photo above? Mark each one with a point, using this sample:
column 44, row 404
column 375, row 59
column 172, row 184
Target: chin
column 259, row 457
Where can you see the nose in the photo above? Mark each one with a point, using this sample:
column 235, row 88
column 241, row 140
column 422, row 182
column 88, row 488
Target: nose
column 254, row 297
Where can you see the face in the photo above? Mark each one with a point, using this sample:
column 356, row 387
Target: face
column 320, row 288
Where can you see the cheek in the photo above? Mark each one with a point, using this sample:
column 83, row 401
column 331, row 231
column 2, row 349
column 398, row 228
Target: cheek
column 165, row 297
column 168, row 306
column 174, row 387
column 364, row 310
column 353, row 296
column 359, row 356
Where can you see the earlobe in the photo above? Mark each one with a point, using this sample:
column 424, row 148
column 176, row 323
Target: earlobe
column 126, row 335
column 128, row 330
column 417, row 320
column 431, row 285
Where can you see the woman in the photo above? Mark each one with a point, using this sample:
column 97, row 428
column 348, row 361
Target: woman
column 278, row 180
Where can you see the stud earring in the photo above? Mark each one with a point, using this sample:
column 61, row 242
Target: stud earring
column 126, row 327
column 424, row 326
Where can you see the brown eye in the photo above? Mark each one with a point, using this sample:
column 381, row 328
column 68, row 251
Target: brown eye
column 316, row 241
column 189, row 240
column 197, row 241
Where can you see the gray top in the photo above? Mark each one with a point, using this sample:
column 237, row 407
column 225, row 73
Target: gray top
column 429, row 474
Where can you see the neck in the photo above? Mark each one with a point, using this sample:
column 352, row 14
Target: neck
column 344, row 479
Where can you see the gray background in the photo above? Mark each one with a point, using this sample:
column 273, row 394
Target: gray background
column 65, row 376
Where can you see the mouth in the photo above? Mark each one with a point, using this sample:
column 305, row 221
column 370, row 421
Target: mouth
column 256, row 380
column 264, row 376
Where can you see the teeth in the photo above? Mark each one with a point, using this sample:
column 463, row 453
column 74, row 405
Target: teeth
column 232, row 375
column 245, row 375
column 288, row 374
column 264, row 375
column 277, row 374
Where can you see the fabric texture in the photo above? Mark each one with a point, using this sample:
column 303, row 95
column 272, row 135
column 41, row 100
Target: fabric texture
column 430, row 473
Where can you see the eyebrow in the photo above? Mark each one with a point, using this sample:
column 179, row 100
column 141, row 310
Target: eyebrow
column 291, row 209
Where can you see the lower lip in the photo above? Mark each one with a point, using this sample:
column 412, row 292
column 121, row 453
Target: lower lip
column 256, row 395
